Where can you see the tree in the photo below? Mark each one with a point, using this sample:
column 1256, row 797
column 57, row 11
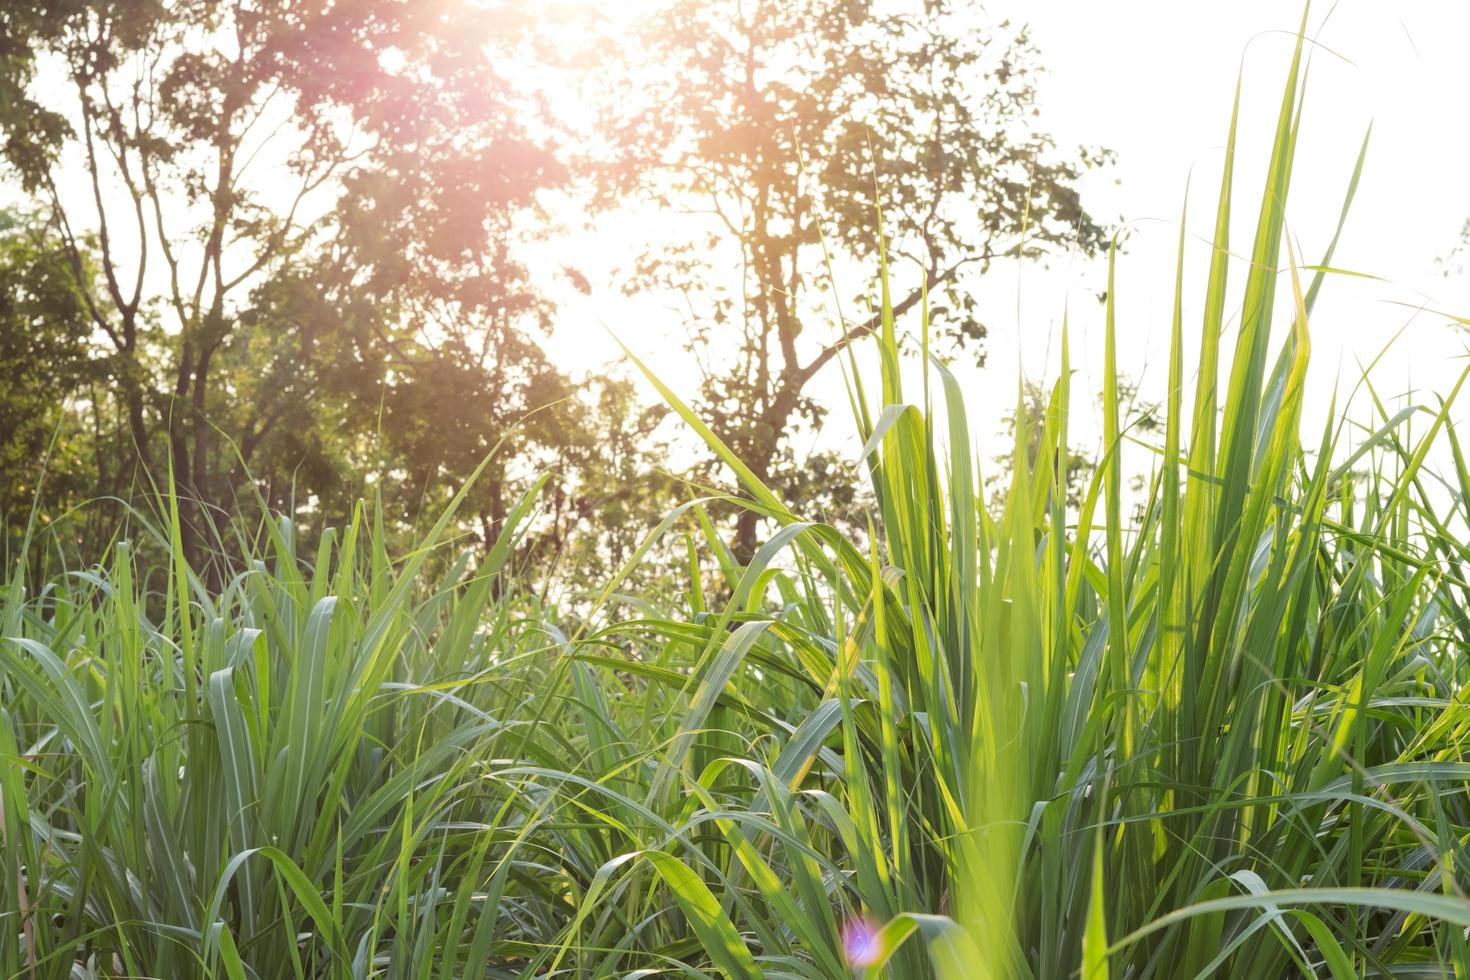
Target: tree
column 1029, row 418
column 46, row 363
column 774, row 121
column 615, row 489
column 320, row 192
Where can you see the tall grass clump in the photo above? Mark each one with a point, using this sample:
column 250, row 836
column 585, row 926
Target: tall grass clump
column 1221, row 740
column 283, row 778
column 1213, row 732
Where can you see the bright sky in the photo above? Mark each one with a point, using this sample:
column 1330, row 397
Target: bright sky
column 1152, row 79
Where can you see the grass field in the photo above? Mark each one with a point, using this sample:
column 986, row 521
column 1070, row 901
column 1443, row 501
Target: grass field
column 1222, row 737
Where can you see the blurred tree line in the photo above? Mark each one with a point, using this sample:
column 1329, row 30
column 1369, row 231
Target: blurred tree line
column 275, row 252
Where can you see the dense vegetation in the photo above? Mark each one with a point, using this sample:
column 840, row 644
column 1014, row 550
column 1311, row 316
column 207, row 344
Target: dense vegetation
column 302, row 251
column 1040, row 739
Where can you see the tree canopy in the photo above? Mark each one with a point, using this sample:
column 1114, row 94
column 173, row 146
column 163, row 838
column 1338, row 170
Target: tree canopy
column 788, row 124
column 302, row 220
column 277, row 252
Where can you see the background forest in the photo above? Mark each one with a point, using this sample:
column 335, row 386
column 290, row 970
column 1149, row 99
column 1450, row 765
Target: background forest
column 286, row 253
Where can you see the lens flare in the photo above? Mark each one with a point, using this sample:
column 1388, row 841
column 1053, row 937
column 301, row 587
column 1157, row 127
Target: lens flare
column 860, row 941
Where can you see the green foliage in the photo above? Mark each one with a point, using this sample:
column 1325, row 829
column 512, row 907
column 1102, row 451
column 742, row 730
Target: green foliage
column 1032, row 739
column 191, row 779
column 47, row 364
column 1219, row 740
column 775, row 120
column 293, row 230
column 301, row 254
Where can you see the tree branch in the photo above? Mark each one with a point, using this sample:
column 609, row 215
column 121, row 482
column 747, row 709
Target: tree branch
column 872, row 323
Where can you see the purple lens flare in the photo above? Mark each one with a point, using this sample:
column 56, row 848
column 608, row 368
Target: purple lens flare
column 860, row 941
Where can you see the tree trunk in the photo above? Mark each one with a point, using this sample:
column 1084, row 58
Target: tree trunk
column 199, row 481
column 747, row 521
